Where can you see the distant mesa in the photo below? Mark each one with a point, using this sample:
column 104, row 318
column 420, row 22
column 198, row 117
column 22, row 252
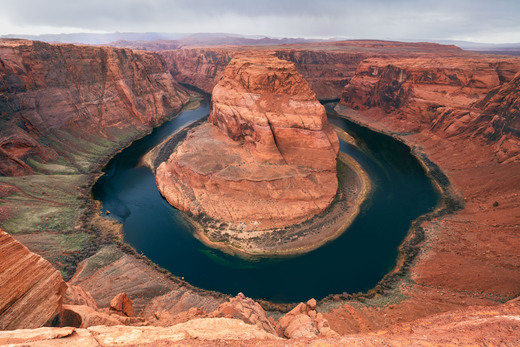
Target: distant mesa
column 266, row 158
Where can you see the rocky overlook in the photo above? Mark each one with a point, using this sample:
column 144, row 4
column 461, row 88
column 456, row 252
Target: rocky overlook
column 267, row 156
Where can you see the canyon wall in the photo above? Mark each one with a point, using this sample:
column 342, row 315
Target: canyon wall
column 80, row 90
column 459, row 111
column 327, row 67
column 448, row 96
column 267, row 157
column 460, row 116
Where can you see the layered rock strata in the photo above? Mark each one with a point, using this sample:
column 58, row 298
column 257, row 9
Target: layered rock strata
column 49, row 91
column 267, row 157
column 327, row 67
column 459, row 114
column 31, row 290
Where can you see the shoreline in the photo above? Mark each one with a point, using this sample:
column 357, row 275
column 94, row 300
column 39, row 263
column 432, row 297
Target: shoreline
column 410, row 248
column 354, row 188
column 407, row 250
column 316, row 242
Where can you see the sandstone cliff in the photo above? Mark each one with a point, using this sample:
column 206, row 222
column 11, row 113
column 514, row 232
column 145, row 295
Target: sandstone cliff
column 49, row 91
column 31, row 290
column 327, row 67
column 266, row 158
column 199, row 67
column 449, row 95
column 458, row 113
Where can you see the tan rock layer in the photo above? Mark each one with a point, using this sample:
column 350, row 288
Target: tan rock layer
column 80, row 89
column 31, row 290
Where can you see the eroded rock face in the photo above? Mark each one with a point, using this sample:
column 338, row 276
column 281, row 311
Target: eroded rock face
column 266, row 158
column 450, row 96
column 304, row 321
column 81, row 90
column 327, row 67
column 122, row 305
column 31, row 290
column 247, row 310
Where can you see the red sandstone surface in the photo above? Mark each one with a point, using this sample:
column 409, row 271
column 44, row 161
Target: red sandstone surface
column 31, row 289
column 82, row 90
column 327, row 67
column 463, row 121
column 266, row 158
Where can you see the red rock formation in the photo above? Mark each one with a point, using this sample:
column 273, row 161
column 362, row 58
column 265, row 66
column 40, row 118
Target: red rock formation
column 81, row 90
column 327, row 67
column 463, row 120
column 489, row 326
column 247, row 310
column 199, row 67
column 122, row 304
column 82, row 316
column 31, row 290
column 75, row 295
column 304, row 321
column 267, row 159
column 422, row 88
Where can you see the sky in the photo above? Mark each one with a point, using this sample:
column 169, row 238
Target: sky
column 490, row 21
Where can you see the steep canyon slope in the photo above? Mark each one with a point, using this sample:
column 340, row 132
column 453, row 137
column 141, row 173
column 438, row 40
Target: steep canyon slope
column 461, row 115
column 50, row 91
column 327, row 67
column 64, row 109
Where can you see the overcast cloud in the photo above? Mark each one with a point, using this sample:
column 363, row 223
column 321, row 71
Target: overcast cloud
column 473, row 20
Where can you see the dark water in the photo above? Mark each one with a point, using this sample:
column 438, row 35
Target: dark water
column 354, row 262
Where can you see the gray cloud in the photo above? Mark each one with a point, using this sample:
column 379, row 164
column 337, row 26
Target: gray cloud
column 383, row 19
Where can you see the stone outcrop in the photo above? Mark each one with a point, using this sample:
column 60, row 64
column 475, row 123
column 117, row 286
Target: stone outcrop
column 497, row 325
column 266, row 158
column 210, row 330
column 304, row 321
column 82, row 316
column 51, row 91
column 327, row 67
column 122, row 305
column 31, row 290
column 247, row 310
column 75, row 295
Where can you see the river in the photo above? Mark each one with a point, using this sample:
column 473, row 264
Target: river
column 354, row 262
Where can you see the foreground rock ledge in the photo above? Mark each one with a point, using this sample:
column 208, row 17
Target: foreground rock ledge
column 267, row 157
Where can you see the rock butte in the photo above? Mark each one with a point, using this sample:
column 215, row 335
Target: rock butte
column 267, row 156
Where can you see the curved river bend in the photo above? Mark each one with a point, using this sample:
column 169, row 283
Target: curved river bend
column 354, row 262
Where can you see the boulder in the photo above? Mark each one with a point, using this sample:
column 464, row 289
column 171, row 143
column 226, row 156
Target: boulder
column 304, row 321
column 122, row 304
column 247, row 310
